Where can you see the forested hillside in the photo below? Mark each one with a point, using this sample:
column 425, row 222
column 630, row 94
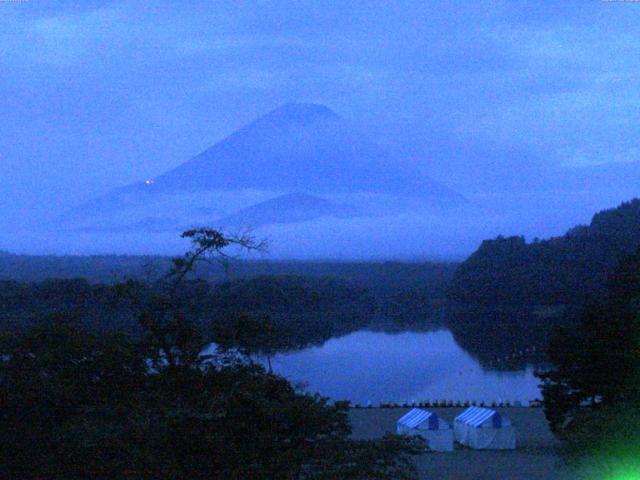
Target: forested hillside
column 562, row 270
column 507, row 297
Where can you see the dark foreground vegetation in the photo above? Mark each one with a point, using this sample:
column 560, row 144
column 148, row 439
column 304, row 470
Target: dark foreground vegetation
column 592, row 390
column 77, row 403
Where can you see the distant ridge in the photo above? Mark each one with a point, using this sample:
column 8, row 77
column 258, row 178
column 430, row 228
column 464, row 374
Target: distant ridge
column 290, row 208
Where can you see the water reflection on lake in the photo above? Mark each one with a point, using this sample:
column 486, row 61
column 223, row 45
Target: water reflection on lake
column 381, row 367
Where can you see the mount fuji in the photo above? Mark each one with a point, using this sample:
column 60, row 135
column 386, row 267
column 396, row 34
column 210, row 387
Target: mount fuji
column 299, row 163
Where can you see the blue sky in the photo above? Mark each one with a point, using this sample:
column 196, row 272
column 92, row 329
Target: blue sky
column 488, row 96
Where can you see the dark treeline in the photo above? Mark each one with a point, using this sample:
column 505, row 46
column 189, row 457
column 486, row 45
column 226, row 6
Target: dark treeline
column 383, row 277
column 313, row 300
column 506, row 298
column 501, row 304
column 311, row 310
column 563, row 270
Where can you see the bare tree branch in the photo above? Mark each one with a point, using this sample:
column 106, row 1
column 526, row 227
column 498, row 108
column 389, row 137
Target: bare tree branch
column 208, row 244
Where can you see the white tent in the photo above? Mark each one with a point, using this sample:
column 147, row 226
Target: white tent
column 482, row 428
column 431, row 427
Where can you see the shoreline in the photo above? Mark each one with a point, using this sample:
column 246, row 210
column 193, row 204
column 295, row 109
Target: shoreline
column 445, row 405
column 536, row 456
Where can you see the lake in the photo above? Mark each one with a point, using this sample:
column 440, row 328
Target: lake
column 377, row 367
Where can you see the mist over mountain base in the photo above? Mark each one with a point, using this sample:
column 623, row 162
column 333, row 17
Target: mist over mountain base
column 397, row 233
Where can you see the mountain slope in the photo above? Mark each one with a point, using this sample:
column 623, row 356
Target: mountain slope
column 290, row 208
column 295, row 148
column 301, row 147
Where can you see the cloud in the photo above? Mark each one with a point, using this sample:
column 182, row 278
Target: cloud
column 597, row 155
column 63, row 40
column 235, row 43
column 110, row 92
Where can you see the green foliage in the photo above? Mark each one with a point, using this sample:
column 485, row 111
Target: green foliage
column 77, row 403
column 53, row 375
column 80, row 405
column 596, row 364
column 605, row 443
column 519, row 292
column 565, row 270
column 251, row 336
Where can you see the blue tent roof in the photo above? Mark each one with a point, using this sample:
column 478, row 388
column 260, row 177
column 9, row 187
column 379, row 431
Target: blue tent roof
column 417, row 417
column 476, row 416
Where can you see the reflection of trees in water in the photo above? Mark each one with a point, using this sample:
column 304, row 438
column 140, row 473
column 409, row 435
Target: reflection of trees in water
column 382, row 315
column 391, row 319
column 505, row 337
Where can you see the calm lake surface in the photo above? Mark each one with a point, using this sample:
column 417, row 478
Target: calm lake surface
column 380, row 367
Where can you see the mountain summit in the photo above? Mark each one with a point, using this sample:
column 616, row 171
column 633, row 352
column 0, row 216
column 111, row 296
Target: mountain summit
column 296, row 164
column 298, row 113
column 301, row 147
